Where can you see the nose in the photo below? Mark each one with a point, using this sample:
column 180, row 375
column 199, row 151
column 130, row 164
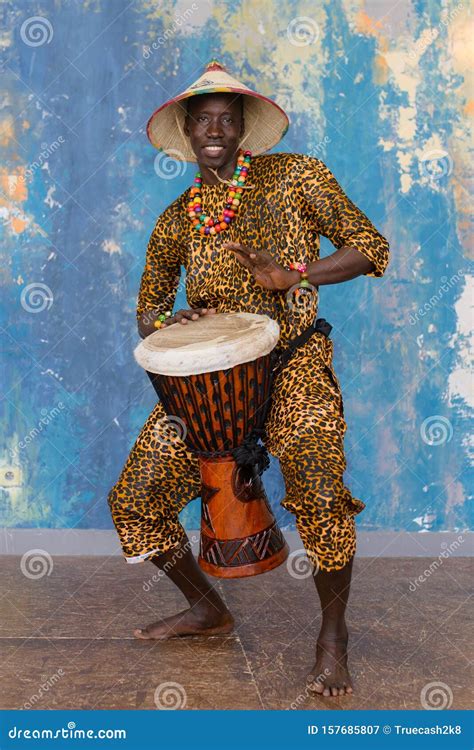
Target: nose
column 214, row 129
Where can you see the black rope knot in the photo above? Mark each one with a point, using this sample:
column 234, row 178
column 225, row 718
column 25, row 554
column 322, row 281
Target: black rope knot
column 250, row 456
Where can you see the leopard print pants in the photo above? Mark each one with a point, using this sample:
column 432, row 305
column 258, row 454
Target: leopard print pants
column 305, row 431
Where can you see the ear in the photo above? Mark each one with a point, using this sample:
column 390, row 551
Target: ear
column 186, row 125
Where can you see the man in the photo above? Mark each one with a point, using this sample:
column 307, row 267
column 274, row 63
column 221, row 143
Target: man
column 247, row 233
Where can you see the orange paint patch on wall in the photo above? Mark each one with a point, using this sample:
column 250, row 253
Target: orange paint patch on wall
column 7, row 130
column 370, row 27
column 18, row 225
column 381, row 70
column 367, row 25
column 469, row 108
column 14, row 192
column 14, row 185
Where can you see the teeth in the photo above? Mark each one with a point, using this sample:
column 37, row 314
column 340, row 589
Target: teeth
column 213, row 148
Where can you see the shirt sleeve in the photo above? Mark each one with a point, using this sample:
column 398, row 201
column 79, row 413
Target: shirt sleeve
column 161, row 275
column 336, row 217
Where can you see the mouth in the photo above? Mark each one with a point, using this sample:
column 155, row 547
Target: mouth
column 212, row 150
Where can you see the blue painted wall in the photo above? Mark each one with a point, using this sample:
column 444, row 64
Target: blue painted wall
column 378, row 91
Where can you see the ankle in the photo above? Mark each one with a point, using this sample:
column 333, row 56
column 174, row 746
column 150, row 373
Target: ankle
column 333, row 630
column 208, row 601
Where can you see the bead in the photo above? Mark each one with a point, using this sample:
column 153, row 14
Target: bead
column 168, row 313
column 162, row 317
column 210, row 224
column 158, row 324
column 305, row 283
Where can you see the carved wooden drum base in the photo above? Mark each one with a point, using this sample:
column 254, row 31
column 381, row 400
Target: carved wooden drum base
column 239, row 535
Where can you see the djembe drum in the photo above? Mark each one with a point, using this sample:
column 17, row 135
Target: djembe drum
column 215, row 375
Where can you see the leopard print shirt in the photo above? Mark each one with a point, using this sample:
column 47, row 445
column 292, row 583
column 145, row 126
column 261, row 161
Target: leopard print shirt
column 294, row 199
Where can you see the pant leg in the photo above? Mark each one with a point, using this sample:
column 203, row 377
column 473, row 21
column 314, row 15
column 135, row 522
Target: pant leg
column 305, row 430
column 159, row 478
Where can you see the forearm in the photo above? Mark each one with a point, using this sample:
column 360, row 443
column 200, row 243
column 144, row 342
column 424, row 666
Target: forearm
column 344, row 264
column 146, row 322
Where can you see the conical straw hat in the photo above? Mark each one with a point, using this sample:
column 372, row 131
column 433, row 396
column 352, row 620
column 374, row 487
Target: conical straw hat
column 265, row 122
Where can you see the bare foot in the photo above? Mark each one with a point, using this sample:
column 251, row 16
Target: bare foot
column 192, row 621
column 330, row 675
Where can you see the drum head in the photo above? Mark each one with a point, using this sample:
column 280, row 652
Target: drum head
column 212, row 342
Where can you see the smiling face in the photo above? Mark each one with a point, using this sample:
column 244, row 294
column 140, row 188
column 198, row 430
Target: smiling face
column 214, row 124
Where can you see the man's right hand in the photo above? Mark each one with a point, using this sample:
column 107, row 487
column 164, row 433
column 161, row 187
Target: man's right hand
column 184, row 316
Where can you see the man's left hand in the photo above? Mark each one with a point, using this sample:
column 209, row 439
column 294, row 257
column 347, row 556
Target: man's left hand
column 266, row 271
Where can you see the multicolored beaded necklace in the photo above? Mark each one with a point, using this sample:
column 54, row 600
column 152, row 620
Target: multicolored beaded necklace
column 205, row 224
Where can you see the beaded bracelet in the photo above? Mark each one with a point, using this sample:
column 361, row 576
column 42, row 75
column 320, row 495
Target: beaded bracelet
column 158, row 323
column 302, row 269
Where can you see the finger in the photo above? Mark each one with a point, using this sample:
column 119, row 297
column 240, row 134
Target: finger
column 237, row 247
column 204, row 311
column 243, row 258
column 234, row 246
column 248, row 251
column 199, row 310
column 189, row 314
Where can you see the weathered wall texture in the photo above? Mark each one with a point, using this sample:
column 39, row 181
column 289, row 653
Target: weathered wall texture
column 379, row 90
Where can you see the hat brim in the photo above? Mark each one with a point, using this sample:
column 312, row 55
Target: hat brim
column 265, row 123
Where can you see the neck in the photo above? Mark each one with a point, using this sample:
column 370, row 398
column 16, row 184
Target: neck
column 225, row 171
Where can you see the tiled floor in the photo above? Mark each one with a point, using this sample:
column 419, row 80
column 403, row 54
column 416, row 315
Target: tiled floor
column 67, row 642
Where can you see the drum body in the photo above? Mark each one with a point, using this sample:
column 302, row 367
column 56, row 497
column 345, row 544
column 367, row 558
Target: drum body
column 223, row 412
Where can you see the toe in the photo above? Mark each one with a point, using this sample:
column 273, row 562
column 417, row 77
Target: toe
column 342, row 691
column 334, row 691
column 139, row 633
column 315, row 687
column 326, row 692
